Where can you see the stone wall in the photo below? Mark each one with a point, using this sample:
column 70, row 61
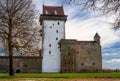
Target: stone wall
column 21, row 64
column 88, row 57
column 80, row 56
column 68, row 49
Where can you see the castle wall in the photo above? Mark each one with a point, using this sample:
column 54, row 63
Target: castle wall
column 86, row 54
column 68, row 50
column 22, row 64
column 88, row 57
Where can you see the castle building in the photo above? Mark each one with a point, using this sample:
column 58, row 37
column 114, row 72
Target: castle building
column 81, row 56
column 66, row 55
column 58, row 54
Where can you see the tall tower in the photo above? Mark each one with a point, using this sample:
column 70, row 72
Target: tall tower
column 52, row 21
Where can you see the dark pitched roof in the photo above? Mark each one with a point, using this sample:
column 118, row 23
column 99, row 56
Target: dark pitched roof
column 96, row 35
column 53, row 10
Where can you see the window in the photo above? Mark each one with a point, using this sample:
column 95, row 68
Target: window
column 69, row 54
column 50, row 26
column 56, row 31
column 53, row 24
column 55, row 12
column 58, row 23
column 49, row 52
column 89, row 52
column 82, row 64
column 49, row 45
column 77, row 52
column 93, row 63
column 46, row 12
column 68, row 48
column 56, row 38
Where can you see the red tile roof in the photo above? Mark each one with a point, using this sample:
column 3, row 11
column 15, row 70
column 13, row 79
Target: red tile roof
column 53, row 10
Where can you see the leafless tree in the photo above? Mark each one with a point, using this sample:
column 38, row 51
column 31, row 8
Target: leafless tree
column 18, row 28
column 111, row 7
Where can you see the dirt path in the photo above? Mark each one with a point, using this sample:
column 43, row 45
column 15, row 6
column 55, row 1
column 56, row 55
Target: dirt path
column 60, row 79
column 97, row 79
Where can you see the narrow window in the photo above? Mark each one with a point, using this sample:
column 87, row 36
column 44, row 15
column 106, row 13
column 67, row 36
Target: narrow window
column 69, row 54
column 56, row 38
column 93, row 63
column 89, row 52
column 77, row 52
column 56, row 31
column 49, row 45
column 53, row 24
column 82, row 64
column 55, row 12
column 49, row 52
column 46, row 12
column 58, row 23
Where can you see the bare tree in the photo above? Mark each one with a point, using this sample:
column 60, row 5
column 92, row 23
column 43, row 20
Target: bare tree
column 111, row 7
column 18, row 28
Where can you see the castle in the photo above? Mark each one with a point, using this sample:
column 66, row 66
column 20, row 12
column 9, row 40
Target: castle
column 58, row 54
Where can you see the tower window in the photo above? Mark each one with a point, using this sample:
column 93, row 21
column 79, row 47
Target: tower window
column 58, row 23
column 53, row 24
column 55, row 12
column 46, row 12
column 50, row 26
column 56, row 31
column 56, row 38
column 49, row 45
column 49, row 52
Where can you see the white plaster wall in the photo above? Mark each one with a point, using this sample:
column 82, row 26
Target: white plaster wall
column 51, row 62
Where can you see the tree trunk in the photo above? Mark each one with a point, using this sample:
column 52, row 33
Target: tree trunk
column 11, row 69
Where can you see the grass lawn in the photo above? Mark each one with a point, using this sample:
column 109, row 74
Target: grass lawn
column 63, row 75
column 56, row 76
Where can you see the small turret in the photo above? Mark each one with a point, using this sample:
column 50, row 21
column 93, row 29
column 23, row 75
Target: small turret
column 97, row 38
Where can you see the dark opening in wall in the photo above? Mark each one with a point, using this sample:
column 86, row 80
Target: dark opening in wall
column 68, row 53
column 49, row 52
column 49, row 45
column 82, row 64
column 93, row 63
column 56, row 31
column 58, row 23
column 56, row 38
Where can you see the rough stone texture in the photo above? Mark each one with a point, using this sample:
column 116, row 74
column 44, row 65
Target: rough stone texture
column 22, row 64
column 68, row 49
column 81, row 56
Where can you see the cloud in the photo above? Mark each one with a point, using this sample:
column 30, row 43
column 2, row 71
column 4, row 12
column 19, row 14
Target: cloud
column 113, row 61
column 86, row 29
column 108, row 54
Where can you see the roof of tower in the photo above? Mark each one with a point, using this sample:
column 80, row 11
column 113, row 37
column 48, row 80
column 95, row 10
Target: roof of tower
column 96, row 35
column 53, row 10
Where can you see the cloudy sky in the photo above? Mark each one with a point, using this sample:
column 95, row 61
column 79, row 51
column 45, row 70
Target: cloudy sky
column 83, row 26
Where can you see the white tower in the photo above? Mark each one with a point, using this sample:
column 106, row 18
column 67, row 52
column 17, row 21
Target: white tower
column 53, row 25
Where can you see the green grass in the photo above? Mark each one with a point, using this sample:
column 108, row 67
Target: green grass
column 62, row 75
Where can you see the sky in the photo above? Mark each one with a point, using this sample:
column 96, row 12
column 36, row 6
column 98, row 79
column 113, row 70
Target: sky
column 82, row 25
